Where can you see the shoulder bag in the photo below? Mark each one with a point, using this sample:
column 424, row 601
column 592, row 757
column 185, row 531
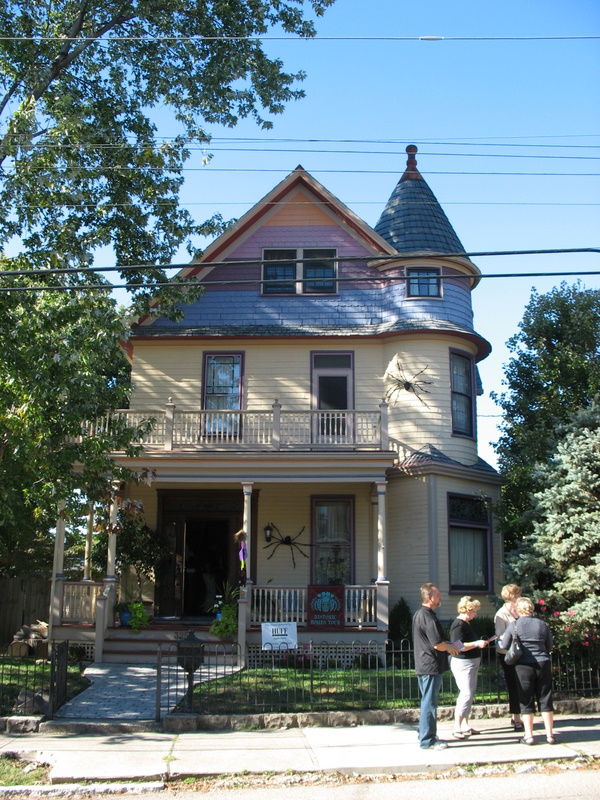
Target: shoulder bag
column 515, row 651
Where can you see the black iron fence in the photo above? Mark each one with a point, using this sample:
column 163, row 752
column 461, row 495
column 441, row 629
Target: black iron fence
column 220, row 679
column 32, row 686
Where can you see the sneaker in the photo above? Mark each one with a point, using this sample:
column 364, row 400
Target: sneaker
column 438, row 745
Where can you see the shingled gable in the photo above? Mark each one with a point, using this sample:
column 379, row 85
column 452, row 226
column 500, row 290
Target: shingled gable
column 298, row 181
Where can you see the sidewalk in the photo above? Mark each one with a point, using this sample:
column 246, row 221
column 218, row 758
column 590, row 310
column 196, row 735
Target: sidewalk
column 123, row 695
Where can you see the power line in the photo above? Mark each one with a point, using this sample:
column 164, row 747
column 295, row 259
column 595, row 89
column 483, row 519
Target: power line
column 337, row 259
column 167, row 203
column 291, row 38
column 208, row 168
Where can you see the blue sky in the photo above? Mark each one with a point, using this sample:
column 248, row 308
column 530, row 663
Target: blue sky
column 481, row 109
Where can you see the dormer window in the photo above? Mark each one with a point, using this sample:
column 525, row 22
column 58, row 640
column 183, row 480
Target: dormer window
column 297, row 270
column 423, row 282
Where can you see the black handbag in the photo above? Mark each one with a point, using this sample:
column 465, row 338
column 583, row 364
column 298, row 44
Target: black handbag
column 515, row 651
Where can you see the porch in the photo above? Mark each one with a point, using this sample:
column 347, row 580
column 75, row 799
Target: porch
column 87, row 618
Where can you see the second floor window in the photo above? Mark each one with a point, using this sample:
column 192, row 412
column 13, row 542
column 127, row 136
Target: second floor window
column 423, row 283
column 463, row 400
column 294, row 270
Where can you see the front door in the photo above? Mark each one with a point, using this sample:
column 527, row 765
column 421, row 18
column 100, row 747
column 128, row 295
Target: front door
column 203, row 553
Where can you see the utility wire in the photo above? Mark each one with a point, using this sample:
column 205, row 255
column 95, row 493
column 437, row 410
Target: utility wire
column 267, row 38
column 209, row 168
column 337, row 259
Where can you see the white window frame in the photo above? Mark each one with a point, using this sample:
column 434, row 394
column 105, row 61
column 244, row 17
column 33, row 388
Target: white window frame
column 298, row 282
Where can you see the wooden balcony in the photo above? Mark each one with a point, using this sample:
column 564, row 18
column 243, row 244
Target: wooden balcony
column 269, row 430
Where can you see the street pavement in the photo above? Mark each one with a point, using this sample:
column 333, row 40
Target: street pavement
column 119, row 750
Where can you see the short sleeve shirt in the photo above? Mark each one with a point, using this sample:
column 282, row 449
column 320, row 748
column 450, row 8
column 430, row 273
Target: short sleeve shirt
column 427, row 632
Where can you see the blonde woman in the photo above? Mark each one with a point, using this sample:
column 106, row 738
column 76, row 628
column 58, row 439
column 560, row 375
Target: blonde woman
column 465, row 665
column 534, row 670
column 504, row 616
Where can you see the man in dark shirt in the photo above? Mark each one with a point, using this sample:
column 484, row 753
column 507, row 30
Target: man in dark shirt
column 431, row 661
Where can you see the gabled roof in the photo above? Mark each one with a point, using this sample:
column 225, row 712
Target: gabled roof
column 302, row 180
column 413, row 221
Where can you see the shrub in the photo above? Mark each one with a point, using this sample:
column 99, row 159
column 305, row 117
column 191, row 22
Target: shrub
column 400, row 621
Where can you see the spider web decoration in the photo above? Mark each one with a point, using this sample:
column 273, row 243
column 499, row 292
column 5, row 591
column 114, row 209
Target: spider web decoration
column 290, row 541
column 400, row 383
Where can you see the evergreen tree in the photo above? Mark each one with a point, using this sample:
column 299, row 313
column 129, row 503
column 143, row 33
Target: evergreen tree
column 554, row 370
column 560, row 560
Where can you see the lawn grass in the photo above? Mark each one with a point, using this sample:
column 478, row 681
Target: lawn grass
column 289, row 690
column 14, row 772
column 33, row 675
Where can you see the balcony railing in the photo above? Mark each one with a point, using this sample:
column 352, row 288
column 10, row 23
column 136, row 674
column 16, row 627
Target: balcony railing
column 270, row 429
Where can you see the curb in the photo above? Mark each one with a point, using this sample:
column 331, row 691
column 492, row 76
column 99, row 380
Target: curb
column 49, row 790
column 182, row 723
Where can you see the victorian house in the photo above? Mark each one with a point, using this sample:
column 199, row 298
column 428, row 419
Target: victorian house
column 321, row 397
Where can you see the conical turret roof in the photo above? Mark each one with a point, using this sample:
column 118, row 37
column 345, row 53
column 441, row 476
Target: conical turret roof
column 413, row 221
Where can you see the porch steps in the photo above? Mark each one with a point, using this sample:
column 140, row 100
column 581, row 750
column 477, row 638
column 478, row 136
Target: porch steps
column 123, row 646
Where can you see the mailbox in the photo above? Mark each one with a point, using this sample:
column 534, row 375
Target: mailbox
column 190, row 656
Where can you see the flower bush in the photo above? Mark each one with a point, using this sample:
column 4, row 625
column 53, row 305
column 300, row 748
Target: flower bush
column 570, row 631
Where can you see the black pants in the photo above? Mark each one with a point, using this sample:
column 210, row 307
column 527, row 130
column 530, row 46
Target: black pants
column 512, row 687
column 535, row 683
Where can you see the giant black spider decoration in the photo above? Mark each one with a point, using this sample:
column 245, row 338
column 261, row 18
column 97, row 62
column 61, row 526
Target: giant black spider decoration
column 400, row 383
column 278, row 540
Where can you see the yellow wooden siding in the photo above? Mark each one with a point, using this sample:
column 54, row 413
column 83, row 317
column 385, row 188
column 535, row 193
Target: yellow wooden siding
column 289, row 508
column 283, row 370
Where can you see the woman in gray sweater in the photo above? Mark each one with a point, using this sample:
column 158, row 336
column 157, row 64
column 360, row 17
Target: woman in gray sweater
column 534, row 669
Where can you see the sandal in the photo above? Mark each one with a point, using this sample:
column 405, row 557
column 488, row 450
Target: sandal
column 528, row 740
column 460, row 735
column 518, row 726
column 550, row 739
column 472, row 732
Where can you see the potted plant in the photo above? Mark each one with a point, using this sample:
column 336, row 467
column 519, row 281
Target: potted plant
column 225, row 625
column 132, row 614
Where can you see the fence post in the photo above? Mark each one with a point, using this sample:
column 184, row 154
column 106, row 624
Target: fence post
column 158, row 681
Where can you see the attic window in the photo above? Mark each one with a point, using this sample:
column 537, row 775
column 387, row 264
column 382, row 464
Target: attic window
column 423, row 282
column 299, row 271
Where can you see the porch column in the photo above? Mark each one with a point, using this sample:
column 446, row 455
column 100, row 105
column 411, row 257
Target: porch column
column 247, row 522
column 381, row 531
column 87, row 559
column 56, row 592
column 111, row 556
column 382, row 583
column 244, row 607
column 110, row 580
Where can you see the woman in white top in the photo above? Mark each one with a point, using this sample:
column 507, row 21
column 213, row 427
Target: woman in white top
column 504, row 616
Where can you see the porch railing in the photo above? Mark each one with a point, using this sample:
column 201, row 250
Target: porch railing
column 269, row 429
column 79, row 601
column 289, row 604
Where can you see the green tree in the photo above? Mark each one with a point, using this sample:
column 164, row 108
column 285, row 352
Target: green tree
column 84, row 168
column 554, row 370
column 79, row 80
column 61, row 364
column 560, row 560
column 140, row 549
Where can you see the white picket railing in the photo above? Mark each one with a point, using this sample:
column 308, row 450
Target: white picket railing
column 289, row 604
column 272, row 429
column 79, row 601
